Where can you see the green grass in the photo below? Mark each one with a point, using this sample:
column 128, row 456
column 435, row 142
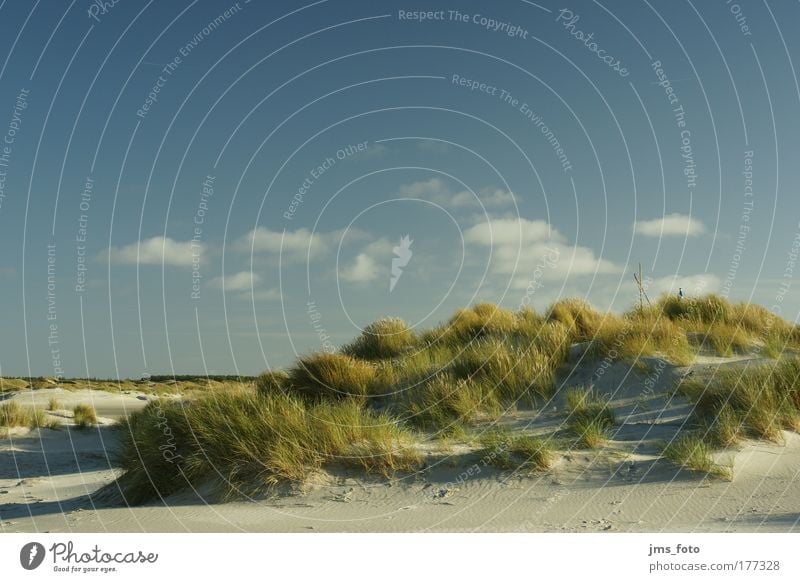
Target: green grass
column 445, row 403
column 512, row 374
column 508, row 452
column 245, row 443
column 760, row 401
column 14, row 414
column 84, row 416
column 589, row 417
column 691, row 452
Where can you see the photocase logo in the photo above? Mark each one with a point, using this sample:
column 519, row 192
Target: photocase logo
column 402, row 256
column 31, row 555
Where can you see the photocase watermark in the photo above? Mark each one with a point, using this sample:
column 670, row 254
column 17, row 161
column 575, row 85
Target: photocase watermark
column 403, row 254
column 13, row 128
column 739, row 16
column 549, row 260
column 196, row 243
column 485, row 22
column 568, row 20
column 687, row 152
column 171, row 67
column 52, row 314
column 67, row 558
column 744, row 227
column 81, row 236
column 316, row 321
column 32, row 555
column 99, row 8
column 318, row 171
column 788, row 276
column 523, row 107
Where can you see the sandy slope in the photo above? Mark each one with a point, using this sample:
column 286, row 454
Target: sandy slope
column 46, row 480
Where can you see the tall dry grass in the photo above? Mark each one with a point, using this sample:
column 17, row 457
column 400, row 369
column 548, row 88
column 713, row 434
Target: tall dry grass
column 244, row 442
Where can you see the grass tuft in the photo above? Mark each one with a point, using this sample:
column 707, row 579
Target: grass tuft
column 691, row 452
column 386, row 338
column 590, row 418
column 84, row 416
column 13, row 414
column 332, row 376
column 507, row 452
column 248, row 442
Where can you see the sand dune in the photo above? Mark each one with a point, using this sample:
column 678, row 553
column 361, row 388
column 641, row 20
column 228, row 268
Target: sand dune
column 49, row 479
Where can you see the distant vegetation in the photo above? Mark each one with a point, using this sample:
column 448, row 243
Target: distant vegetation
column 368, row 404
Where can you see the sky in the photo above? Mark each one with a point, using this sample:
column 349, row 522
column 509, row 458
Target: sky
column 197, row 187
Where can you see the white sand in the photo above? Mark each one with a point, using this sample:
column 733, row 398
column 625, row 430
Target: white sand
column 46, row 479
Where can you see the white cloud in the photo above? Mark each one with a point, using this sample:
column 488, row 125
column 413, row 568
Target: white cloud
column 438, row 191
column 296, row 244
column 156, row 251
column 522, row 247
column 363, row 269
column 241, row 281
column 670, row 225
column 370, row 264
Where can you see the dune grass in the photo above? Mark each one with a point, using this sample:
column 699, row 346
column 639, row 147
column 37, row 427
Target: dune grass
column 383, row 339
column 505, row 451
column 14, row 414
column 332, row 375
column 759, row 402
column 84, row 416
column 273, row 381
column 513, row 373
column 53, row 404
column 246, row 442
column 691, row 452
column 445, row 403
column 589, row 417
column 365, row 405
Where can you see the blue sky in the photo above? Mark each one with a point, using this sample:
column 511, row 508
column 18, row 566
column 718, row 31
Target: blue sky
column 253, row 168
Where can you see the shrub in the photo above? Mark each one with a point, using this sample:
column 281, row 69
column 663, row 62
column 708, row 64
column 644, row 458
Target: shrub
column 325, row 375
column 383, row 339
column 248, row 443
column 84, row 416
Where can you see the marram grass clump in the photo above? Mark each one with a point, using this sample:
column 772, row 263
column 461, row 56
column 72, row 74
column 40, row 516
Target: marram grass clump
column 690, row 451
column 332, row 375
column 589, row 417
column 245, row 443
column 84, row 416
column 14, row 414
column 386, row 338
